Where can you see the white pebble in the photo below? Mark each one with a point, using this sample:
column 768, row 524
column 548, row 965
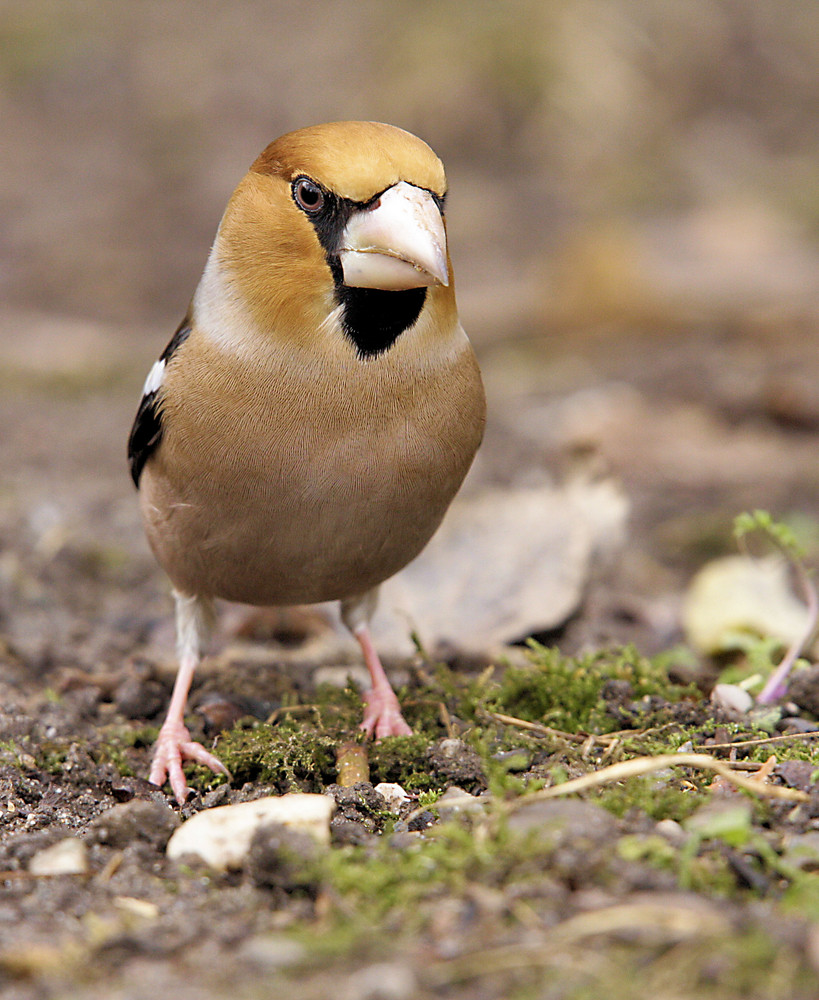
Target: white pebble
column 66, row 857
column 393, row 793
column 731, row 698
column 221, row 837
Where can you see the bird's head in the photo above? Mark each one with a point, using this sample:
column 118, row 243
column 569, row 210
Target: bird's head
column 339, row 225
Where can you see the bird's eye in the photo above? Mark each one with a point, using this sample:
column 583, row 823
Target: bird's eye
column 308, row 195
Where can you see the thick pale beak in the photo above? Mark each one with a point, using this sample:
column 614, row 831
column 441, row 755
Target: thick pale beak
column 398, row 242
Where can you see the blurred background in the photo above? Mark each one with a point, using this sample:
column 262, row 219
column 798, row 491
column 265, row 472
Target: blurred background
column 634, row 225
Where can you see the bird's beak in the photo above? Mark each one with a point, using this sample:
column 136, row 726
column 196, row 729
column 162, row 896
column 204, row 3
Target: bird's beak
column 398, row 242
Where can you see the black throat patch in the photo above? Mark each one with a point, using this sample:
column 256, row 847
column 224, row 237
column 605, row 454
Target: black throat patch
column 374, row 319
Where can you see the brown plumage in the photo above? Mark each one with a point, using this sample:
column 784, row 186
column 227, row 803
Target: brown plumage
column 306, row 430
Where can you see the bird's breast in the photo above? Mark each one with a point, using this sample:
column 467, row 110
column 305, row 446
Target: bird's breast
column 287, row 486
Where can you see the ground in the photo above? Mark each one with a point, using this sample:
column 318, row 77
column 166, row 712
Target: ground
column 641, row 291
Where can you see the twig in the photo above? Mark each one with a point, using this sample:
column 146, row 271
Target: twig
column 646, row 765
column 786, row 738
column 541, row 730
column 446, row 719
column 352, row 764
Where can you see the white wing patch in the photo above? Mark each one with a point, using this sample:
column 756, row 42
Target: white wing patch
column 155, row 376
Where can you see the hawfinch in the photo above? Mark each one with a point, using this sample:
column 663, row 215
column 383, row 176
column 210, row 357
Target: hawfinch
column 302, row 435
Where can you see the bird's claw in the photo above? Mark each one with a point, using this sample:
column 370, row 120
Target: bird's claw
column 174, row 745
column 382, row 715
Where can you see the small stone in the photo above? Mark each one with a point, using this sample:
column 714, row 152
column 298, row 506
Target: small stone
column 142, row 908
column 220, row 712
column 139, row 819
column 796, row 773
column 222, row 837
column 571, row 820
column 383, row 981
column 672, row 831
column 393, row 794
column 455, row 800
column 66, row 857
column 420, row 821
column 268, row 952
column 792, row 724
column 731, row 698
column 139, row 697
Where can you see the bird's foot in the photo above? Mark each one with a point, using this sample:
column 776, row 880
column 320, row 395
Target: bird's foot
column 382, row 715
column 174, row 745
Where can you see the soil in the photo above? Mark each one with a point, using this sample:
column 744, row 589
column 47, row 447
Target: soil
column 702, row 405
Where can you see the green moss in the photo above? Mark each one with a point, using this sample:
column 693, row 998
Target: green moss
column 405, row 760
column 657, row 797
column 292, row 761
column 567, row 693
column 384, row 886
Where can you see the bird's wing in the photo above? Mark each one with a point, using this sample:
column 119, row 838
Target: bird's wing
column 146, row 432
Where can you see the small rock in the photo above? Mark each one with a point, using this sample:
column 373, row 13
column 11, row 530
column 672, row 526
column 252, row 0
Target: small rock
column 393, row 794
column 792, row 724
column 142, row 908
column 269, row 952
column 220, row 712
column 731, row 698
column 456, row 800
column 796, row 773
column 66, row 857
column 672, row 831
column 222, row 837
column 383, row 981
column 139, row 697
column 139, row 819
column 125, row 788
column 570, row 819
column 420, row 821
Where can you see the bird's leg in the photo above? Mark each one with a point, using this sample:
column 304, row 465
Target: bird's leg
column 174, row 743
column 382, row 713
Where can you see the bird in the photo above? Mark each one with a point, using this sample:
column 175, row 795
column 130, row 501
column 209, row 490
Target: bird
column 302, row 435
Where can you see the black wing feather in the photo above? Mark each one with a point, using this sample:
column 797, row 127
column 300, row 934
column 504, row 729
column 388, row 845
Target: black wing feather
column 146, row 432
